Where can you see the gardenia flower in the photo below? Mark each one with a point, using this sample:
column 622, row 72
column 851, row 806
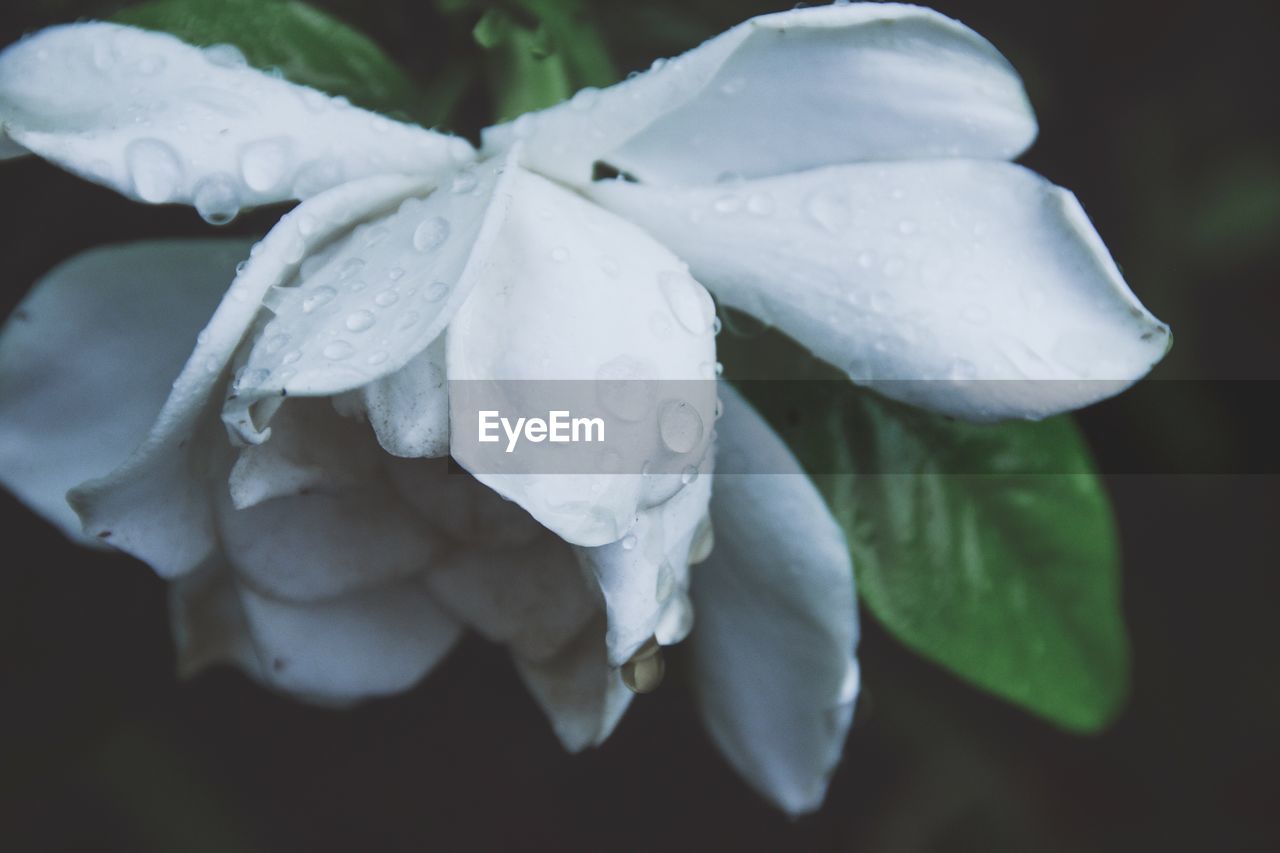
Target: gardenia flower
column 842, row 173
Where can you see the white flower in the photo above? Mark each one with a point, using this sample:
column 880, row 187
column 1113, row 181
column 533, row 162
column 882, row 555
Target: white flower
column 841, row 173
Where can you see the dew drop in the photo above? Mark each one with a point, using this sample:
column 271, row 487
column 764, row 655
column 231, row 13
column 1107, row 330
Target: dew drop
column 275, row 343
column 585, row 99
column 431, row 234
column 320, row 296
column 688, row 301
column 359, row 321
column 463, row 182
column 609, row 266
column 435, row 291
column 907, row 227
column 225, row 56
column 727, row 204
column 829, row 211
column 338, row 350
column 395, row 273
column 680, row 426
column 291, row 357
column 262, row 164
column 377, row 357
column 408, row 321
column 350, row 268
column 154, row 169
column 629, row 542
column 217, row 199
column 689, row 474
column 385, row 298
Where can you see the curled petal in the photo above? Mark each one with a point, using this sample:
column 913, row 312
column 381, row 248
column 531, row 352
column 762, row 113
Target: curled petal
column 311, row 450
column 580, row 693
column 926, row 281
column 376, row 299
column 157, row 502
column 159, row 120
column 775, row 675
column 788, row 91
column 87, row 359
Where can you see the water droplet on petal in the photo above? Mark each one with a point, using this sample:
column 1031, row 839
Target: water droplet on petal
column 263, row 164
column 217, row 199
column 359, row 321
column 385, row 298
column 609, row 266
column 688, row 301
column 275, row 343
column 338, row 350
column 435, row 291
column 291, row 357
column 431, row 234
column 318, row 297
column 225, row 56
column 377, row 357
column 463, row 182
column 629, row 542
column 689, row 474
column 154, row 169
column 584, row 99
column 680, row 426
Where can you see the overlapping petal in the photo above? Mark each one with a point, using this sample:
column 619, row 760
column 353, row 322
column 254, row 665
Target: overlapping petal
column 157, row 503
column 644, row 576
column 580, row 693
column 572, row 292
column 88, row 357
column 775, row 674
column 162, row 121
column 924, row 280
column 371, row 643
column 532, row 597
column 790, row 91
column 378, row 299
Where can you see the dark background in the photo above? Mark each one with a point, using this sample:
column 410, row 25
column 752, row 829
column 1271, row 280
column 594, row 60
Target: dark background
column 1162, row 117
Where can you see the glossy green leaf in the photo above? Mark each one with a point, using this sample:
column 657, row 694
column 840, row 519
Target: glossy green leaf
column 989, row 549
column 306, row 45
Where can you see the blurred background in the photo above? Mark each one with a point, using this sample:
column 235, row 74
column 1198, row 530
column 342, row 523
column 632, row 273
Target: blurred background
column 1163, row 118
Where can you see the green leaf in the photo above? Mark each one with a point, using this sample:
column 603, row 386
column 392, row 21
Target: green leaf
column 989, row 549
column 306, row 45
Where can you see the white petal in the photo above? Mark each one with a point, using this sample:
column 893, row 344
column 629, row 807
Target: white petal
column 774, row 673
column 208, row 623
column 917, row 278
column 311, row 450
column 789, row 91
column 532, row 598
column 379, row 298
column 457, row 504
column 162, row 121
column 577, row 689
column 157, row 503
column 571, row 292
column 87, row 359
column 643, row 576
column 317, row 546
column 370, row 643
column 409, row 410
